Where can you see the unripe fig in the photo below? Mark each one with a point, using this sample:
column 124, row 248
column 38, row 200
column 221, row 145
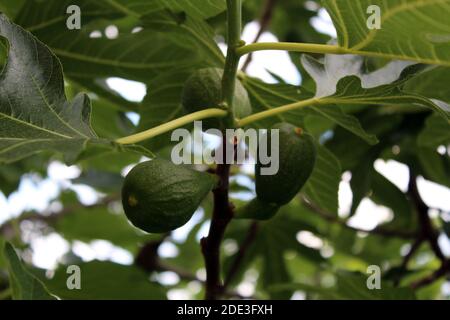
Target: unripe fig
column 159, row 196
column 203, row 90
column 297, row 156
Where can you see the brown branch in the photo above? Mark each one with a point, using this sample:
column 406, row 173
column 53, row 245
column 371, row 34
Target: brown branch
column 149, row 260
column 404, row 266
column 222, row 215
column 264, row 22
column 334, row 219
column 427, row 230
column 439, row 273
column 234, row 268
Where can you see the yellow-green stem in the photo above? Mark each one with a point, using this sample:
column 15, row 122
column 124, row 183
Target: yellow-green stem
column 273, row 112
column 153, row 132
column 299, row 47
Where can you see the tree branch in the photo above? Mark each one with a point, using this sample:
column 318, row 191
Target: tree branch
column 222, row 215
column 149, row 260
column 251, row 235
column 426, row 228
column 404, row 266
column 264, row 22
column 439, row 273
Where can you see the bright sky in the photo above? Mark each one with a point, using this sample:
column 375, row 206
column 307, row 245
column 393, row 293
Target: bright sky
column 35, row 193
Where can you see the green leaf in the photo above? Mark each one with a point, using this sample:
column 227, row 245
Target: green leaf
column 23, row 284
column 98, row 223
column 412, row 30
column 196, row 34
column 162, row 104
column 360, row 182
column 11, row 7
column 34, row 111
column 342, row 80
column 106, row 281
column 351, row 286
column 39, row 16
column 137, row 56
column 323, row 185
column 267, row 96
column 435, row 133
column 431, row 83
column 385, row 193
column 435, row 167
column 354, row 286
column 199, row 9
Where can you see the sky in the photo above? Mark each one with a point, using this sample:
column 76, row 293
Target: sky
column 38, row 194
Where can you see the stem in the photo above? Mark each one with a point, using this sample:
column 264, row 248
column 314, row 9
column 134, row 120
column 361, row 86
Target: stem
column 264, row 22
column 141, row 136
column 234, row 25
column 298, row 47
column 272, row 112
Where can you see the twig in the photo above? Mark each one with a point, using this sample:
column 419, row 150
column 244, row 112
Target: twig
column 234, row 268
column 147, row 257
column 264, row 22
column 426, row 228
column 439, row 273
column 332, row 218
column 404, row 266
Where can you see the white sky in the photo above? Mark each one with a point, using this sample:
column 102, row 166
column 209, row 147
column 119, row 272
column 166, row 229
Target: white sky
column 37, row 194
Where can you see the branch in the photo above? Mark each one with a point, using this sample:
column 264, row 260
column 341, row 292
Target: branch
column 427, row 231
column 149, row 260
column 272, row 112
column 441, row 272
column 166, row 127
column 251, row 235
column 264, row 22
column 328, row 49
column 288, row 46
column 222, row 215
column 404, row 266
column 332, row 218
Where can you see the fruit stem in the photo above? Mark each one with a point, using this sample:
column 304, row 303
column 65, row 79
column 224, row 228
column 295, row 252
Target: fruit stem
column 291, row 46
column 234, row 27
column 153, row 132
column 272, row 112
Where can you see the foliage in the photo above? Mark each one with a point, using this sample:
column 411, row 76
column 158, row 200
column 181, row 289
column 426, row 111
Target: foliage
column 369, row 95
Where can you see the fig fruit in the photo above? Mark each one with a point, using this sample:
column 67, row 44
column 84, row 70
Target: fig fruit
column 159, row 196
